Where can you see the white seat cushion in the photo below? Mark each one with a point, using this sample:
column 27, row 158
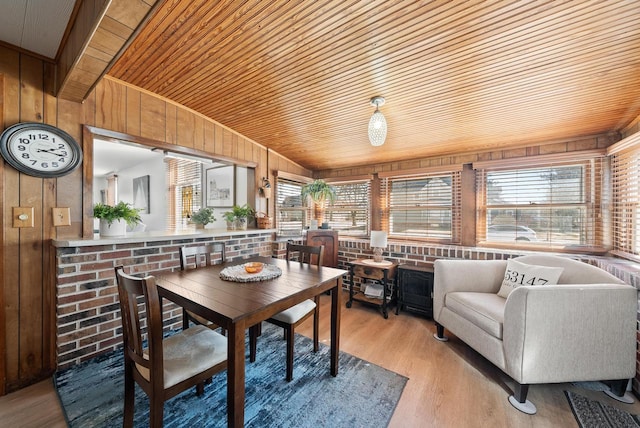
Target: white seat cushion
column 190, row 352
column 486, row 310
column 294, row 313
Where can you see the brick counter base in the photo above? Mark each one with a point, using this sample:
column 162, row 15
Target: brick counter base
column 88, row 313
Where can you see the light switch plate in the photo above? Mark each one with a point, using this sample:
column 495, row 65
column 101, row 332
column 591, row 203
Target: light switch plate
column 61, row 217
column 23, row 217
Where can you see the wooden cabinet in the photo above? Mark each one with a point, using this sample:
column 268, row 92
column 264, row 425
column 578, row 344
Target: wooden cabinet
column 415, row 289
column 328, row 238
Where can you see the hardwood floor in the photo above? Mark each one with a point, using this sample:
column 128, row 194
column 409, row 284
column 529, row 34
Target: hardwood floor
column 35, row 406
column 450, row 385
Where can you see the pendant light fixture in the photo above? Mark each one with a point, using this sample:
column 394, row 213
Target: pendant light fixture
column 377, row 123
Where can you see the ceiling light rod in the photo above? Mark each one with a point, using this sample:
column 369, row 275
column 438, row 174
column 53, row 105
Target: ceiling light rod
column 377, row 123
column 174, row 155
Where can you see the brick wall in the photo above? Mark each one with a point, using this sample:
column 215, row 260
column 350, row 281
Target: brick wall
column 88, row 313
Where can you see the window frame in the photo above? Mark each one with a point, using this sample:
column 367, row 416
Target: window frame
column 283, row 179
column 365, row 208
column 448, row 172
column 625, row 213
column 594, row 193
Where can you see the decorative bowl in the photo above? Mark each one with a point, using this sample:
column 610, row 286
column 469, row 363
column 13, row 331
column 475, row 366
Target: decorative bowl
column 253, row 267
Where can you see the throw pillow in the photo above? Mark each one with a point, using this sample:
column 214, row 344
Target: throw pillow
column 519, row 273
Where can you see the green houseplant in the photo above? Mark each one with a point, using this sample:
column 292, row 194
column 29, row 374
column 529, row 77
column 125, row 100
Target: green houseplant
column 230, row 218
column 203, row 216
column 239, row 216
column 114, row 219
column 318, row 191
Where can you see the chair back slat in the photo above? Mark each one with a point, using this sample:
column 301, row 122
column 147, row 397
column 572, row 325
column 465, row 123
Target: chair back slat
column 306, row 253
column 140, row 304
column 201, row 252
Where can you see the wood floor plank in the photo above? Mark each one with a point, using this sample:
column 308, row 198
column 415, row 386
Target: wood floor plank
column 35, row 406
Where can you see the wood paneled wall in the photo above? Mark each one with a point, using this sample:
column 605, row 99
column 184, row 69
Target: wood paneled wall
column 28, row 266
column 551, row 147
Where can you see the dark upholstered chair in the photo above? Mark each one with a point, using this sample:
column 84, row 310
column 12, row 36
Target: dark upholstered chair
column 290, row 318
column 193, row 257
column 160, row 368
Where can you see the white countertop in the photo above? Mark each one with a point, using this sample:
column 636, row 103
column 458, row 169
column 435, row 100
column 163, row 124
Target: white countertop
column 135, row 237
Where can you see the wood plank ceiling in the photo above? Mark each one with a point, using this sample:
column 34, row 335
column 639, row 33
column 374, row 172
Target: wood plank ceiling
column 297, row 76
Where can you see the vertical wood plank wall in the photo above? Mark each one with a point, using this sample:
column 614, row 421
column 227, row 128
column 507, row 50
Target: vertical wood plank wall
column 28, row 269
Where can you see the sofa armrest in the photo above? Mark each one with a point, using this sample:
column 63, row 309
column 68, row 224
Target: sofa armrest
column 560, row 333
column 482, row 276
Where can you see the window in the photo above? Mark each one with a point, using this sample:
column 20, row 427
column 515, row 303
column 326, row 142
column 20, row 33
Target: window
column 548, row 205
column 423, row 206
column 291, row 216
column 625, row 167
column 349, row 213
column 185, row 190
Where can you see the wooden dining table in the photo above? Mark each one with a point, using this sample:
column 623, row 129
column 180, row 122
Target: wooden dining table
column 237, row 306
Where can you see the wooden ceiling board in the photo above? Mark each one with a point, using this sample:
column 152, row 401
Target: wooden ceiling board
column 297, row 76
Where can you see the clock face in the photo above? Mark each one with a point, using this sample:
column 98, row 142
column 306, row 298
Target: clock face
column 40, row 150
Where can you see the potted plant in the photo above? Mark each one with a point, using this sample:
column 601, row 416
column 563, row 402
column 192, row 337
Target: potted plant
column 114, row 219
column 202, row 217
column 230, row 218
column 318, row 191
column 240, row 215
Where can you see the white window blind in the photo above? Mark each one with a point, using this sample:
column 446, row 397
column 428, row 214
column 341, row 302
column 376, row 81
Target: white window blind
column 626, row 202
column 185, row 191
column 559, row 205
column 426, row 206
column 349, row 213
column 291, row 216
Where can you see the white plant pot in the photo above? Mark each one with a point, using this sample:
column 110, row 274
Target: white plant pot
column 117, row 228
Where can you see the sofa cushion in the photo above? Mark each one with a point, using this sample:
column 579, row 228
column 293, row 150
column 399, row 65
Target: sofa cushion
column 518, row 274
column 485, row 310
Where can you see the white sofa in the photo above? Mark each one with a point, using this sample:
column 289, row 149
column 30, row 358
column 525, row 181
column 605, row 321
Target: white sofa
column 583, row 329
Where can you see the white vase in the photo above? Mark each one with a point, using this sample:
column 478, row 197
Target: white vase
column 117, row 228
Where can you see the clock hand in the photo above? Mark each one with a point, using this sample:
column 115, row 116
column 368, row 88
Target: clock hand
column 50, row 151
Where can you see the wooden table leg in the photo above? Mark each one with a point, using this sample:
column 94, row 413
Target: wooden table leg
column 335, row 326
column 235, row 375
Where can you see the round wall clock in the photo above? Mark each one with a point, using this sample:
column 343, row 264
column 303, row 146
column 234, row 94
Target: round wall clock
column 40, row 150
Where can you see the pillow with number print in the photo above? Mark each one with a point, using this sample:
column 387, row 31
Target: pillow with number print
column 518, row 274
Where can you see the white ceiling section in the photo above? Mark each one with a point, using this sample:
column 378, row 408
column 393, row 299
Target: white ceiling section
column 35, row 25
column 110, row 157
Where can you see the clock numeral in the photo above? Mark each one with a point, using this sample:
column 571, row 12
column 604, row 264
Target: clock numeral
column 24, row 141
column 61, row 146
column 54, row 164
column 43, row 136
column 22, row 148
column 61, row 160
column 25, row 156
column 33, row 162
column 45, row 164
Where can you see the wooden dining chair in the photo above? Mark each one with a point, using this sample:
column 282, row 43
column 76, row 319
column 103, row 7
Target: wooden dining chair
column 193, row 257
column 290, row 318
column 159, row 368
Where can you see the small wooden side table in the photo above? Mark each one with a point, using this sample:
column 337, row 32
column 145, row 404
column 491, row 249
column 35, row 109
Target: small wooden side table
column 383, row 272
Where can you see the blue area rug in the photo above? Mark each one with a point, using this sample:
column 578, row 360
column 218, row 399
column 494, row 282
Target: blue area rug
column 362, row 395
